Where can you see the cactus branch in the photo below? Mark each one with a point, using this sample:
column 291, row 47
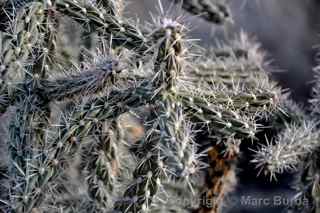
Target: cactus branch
column 92, row 18
column 86, row 83
column 212, row 11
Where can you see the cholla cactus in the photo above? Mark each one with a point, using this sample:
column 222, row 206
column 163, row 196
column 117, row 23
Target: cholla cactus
column 194, row 112
column 296, row 148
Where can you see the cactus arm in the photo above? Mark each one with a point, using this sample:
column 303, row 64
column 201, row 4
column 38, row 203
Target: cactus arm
column 212, row 11
column 82, row 123
column 95, row 19
column 152, row 167
column 16, row 45
column 8, row 10
column 27, row 161
column 4, row 98
column 166, row 131
column 86, row 83
column 46, row 51
column 101, row 163
column 112, row 7
column 293, row 144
